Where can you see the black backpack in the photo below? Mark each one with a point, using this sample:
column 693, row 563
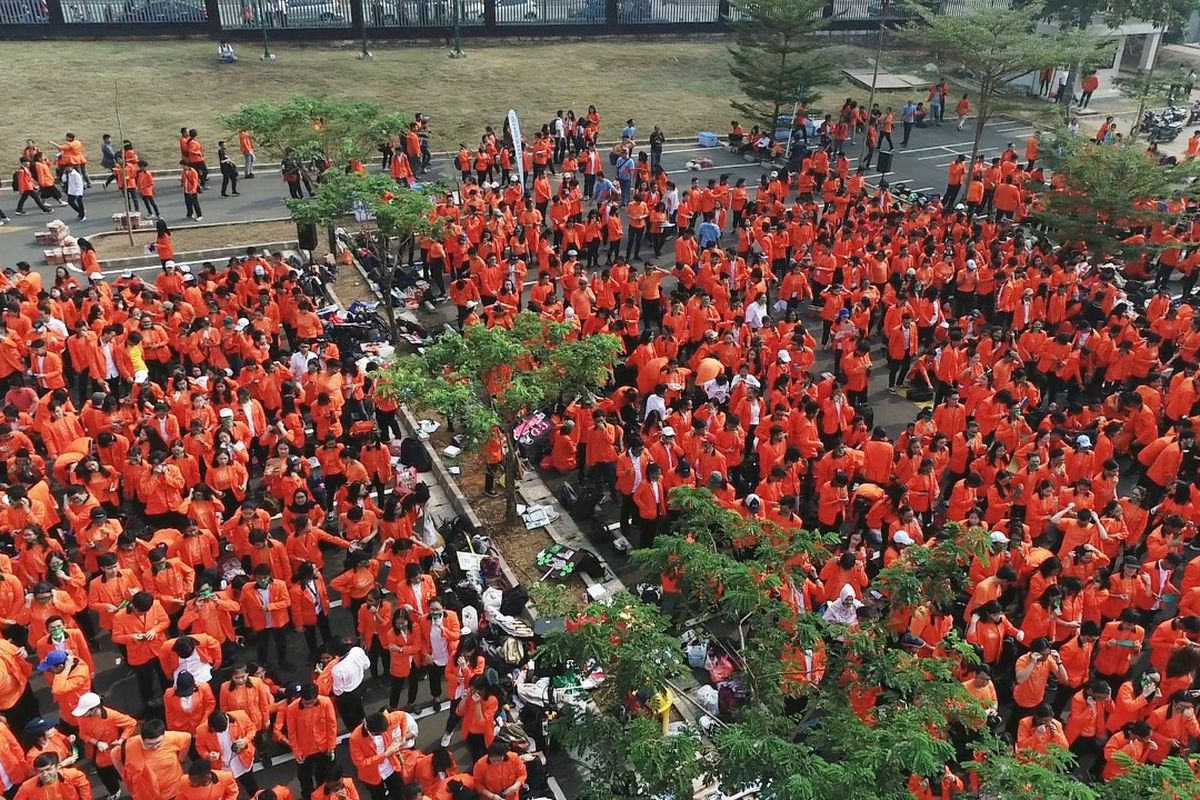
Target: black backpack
column 413, row 453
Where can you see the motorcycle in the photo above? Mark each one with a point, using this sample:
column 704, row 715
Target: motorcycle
column 1165, row 125
column 1194, row 113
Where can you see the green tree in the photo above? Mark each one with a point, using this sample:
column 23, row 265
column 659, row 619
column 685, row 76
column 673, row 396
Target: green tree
column 1166, row 14
column 486, row 380
column 318, row 128
column 1101, row 191
column 401, row 215
column 818, row 747
column 774, row 58
column 994, row 46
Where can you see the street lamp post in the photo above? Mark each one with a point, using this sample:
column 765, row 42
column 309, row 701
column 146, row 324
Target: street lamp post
column 874, row 79
column 365, row 54
column 262, row 25
column 457, row 51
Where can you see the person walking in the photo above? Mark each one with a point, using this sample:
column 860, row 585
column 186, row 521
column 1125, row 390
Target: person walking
column 75, row 188
column 908, row 115
column 145, row 189
column 189, row 179
column 954, row 181
column 108, row 159
column 25, row 185
column 229, row 171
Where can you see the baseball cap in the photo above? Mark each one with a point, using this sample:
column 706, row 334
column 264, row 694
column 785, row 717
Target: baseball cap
column 55, row 658
column 999, row 538
column 1083, row 441
column 784, row 356
column 668, row 431
column 903, row 538
column 87, row 701
column 226, row 413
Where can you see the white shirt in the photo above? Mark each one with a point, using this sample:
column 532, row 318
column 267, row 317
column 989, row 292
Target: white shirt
column 248, row 411
column 264, row 597
column 229, row 758
column 672, row 201
column 201, row 670
column 75, row 183
column 441, row 648
column 386, row 770
column 348, row 672
column 716, row 391
column 559, row 128
column 311, row 588
column 636, row 461
column 655, row 403
column 755, row 315
column 5, row 780
column 299, row 364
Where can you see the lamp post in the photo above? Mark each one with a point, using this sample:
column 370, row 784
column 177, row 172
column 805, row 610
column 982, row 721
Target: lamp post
column 874, row 79
column 456, row 51
column 365, row 54
column 267, row 55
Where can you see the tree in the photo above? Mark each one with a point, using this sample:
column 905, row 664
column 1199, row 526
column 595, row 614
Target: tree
column 487, row 380
column 1165, row 14
column 877, row 717
column 994, row 46
column 401, row 215
column 774, row 59
column 1099, row 194
column 318, row 128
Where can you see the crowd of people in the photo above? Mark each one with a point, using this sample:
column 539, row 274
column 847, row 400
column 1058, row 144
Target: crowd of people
column 179, row 455
column 1054, row 407
column 199, row 493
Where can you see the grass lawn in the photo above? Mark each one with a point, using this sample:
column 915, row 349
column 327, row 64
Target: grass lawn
column 683, row 86
column 192, row 239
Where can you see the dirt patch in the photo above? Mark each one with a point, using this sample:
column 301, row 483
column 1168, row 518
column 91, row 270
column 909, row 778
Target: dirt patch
column 519, row 546
column 192, row 239
column 350, row 286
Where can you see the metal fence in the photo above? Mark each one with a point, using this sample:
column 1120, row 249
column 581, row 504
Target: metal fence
column 330, row 19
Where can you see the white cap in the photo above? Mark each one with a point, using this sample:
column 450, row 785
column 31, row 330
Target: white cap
column 902, row 538
column 999, row 538
column 87, row 701
column 186, row 269
column 95, row 276
column 569, row 313
column 242, row 324
column 472, row 304
column 784, row 356
column 127, row 273
column 141, row 376
column 1083, row 441
column 259, row 269
column 572, row 252
column 226, row 413
column 188, row 277
column 751, row 499
column 960, row 207
column 169, row 263
column 668, row 430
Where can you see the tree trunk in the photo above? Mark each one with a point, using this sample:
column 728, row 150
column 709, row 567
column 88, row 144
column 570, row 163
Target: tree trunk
column 1147, row 87
column 386, row 267
column 331, row 238
column 980, row 122
column 510, row 475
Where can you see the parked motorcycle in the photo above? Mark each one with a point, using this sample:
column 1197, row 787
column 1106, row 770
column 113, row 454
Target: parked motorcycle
column 1165, row 125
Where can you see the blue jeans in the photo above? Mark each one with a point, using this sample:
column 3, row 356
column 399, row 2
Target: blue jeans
column 626, row 190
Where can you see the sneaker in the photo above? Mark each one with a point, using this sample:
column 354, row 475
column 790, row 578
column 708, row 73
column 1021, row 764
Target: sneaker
column 82, row 219
column 446, row 740
column 492, row 493
column 20, row 213
column 891, row 390
column 237, row 194
column 189, row 216
column 224, row 195
column 249, row 177
column 199, row 219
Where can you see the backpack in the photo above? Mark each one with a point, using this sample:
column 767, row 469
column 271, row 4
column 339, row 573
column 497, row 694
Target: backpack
column 414, row 454
column 514, row 602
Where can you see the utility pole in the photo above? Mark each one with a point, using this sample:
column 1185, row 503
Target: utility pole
column 121, row 162
column 874, row 80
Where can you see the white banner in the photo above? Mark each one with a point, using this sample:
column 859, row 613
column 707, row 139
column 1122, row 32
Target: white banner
column 514, row 130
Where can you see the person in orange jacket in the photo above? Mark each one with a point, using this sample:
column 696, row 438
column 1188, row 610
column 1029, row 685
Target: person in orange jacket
column 205, row 783
column 265, row 603
column 499, row 775
column 188, row 703
column 376, row 748
column 226, row 739
column 101, row 731
column 54, row 782
column 650, row 503
column 151, row 763
column 478, row 711
column 14, row 767
column 1135, row 741
column 311, row 726
column 138, row 629
column 336, row 786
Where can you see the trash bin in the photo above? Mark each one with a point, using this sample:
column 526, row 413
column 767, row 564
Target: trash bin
column 708, row 139
column 884, row 162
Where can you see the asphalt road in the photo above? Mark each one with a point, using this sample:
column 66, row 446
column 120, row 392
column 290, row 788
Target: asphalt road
column 922, row 167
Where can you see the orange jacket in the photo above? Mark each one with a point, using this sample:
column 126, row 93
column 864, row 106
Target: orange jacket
column 498, row 777
column 278, row 602
column 111, row 728
column 311, row 731
column 72, row 784
column 366, row 756
column 14, row 675
column 221, row 786
column 12, row 755
column 153, row 774
column 252, row 699
column 184, row 718
column 129, row 623
column 241, row 728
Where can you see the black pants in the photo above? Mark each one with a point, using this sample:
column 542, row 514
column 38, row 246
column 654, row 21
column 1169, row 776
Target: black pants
column 227, row 181
column 951, row 194
column 908, row 126
column 26, row 708
column 413, row 681
column 202, row 168
column 294, row 190
column 248, row 783
column 634, row 244
column 898, row 371
column 28, row 195
column 110, row 778
column 310, row 635
column 628, row 514
column 262, row 641
column 75, row 201
column 147, row 675
column 192, row 203
column 312, row 771
column 476, row 745
column 350, row 707
column 389, row 428
column 589, row 184
column 150, row 203
column 392, row 788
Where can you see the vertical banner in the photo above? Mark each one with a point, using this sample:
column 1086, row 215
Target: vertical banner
column 514, row 130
